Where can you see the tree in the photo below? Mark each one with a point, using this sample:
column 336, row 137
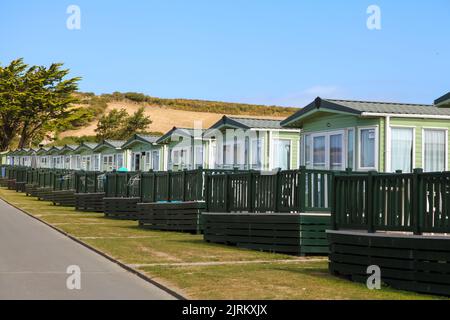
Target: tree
column 136, row 123
column 119, row 125
column 109, row 125
column 10, row 88
column 33, row 101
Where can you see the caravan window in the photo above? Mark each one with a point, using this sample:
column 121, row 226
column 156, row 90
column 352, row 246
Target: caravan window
column 155, row 160
column 282, row 153
column 434, row 150
column 368, row 147
column 402, row 149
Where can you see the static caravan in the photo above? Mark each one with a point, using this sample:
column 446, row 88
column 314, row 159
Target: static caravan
column 56, row 159
column 111, row 154
column 21, row 157
column 12, row 160
column 184, row 149
column 67, row 155
column 365, row 136
column 143, row 154
column 43, row 157
column 250, row 143
column 85, row 157
column 16, row 157
column 30, row 158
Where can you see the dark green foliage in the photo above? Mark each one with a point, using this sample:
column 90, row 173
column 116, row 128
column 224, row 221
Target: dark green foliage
column 34, row 101
column 204, row 105
column 109, row 125
column 135, row 123
column 73, row 140
column 137, row 97
column 118, row 124
column 79, row 118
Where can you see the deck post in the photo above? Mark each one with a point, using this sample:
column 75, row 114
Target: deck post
column 140, row 186
column 154, row 186
column 226, row 198
column 302, row 189
column 206, row 196
column 277, row 196
column 370, row 202
column 200, row 186
column 251, row 198
column 333, row 211
column 417, row 201
column 168, row 185
column 184, row 185
column 116, row 184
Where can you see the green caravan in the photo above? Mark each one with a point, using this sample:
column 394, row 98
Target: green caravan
column 373, row 136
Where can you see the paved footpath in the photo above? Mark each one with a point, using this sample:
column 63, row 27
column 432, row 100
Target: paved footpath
column 34, row 259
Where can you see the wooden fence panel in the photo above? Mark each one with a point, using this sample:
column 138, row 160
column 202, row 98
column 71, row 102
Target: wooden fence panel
column 415, row 202
column 436, row 202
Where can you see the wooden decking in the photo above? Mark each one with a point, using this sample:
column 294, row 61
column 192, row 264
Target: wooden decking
column 182, row 217
column 121, row 208
column 65, row 198
column 297, row 234
column 407, row 262
column 89, row 202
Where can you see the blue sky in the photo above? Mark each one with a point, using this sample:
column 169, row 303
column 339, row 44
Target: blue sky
column 256, row 51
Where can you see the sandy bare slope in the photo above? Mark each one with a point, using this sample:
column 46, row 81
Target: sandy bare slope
column 163, row 119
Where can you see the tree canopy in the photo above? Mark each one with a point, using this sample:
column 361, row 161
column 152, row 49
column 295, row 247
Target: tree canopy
column 34, row 100
column 119, row 125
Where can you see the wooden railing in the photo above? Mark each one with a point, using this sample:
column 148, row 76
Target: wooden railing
column 225, row 191
column 300, row 190
column 180, row 186
column 17, row 173
column 64, row 180
column 89, row 182
column 415, row 202
column 122, row 184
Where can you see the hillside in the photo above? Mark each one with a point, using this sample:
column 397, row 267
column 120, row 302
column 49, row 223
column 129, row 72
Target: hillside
column 165, row 113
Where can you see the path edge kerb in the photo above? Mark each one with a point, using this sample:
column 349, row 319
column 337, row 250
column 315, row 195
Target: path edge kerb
column 103, row 254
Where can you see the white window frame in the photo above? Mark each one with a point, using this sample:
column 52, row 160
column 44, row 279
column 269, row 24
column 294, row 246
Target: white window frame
column 377, row 148
column 148, row 160
column 255, row 140
column 199, row 162
column 116, row 162
column 157, row 165
column 96, row 164
column 446, row 145
column 107, row 165
column 346, row 148
column 84, row 161
column 225, row 161
column 413, row 165
column 133, row 161
column 304, row 137
column 327, row 135
column 290, row 151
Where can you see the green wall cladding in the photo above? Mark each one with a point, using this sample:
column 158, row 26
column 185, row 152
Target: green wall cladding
column 323, row 121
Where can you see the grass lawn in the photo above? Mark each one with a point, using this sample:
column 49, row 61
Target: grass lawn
column 200, row 270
